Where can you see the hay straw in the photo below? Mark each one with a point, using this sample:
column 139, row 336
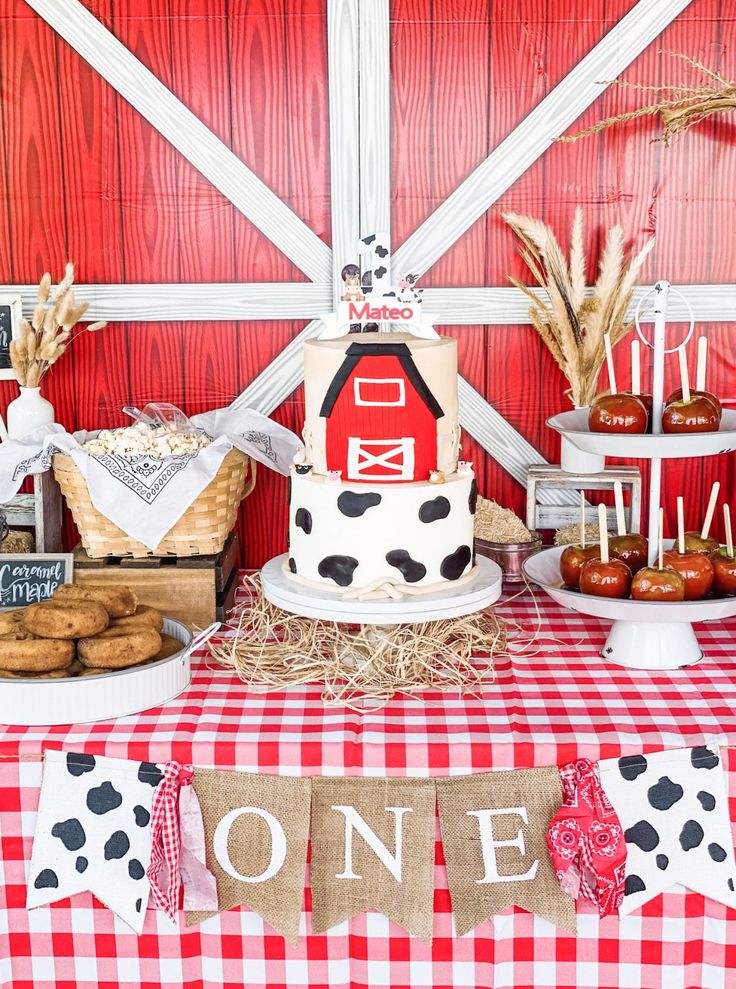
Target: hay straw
column 361, row 667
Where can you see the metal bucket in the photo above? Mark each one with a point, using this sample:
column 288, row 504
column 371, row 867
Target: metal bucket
column 510, row 556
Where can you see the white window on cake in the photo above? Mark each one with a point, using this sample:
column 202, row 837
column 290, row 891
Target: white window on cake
column 381, row 460
column 379, row 391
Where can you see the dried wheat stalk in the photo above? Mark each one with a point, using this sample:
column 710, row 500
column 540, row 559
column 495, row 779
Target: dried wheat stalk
column 573, row 321
column 45, row 338
column 684, row 107
column 361, row 667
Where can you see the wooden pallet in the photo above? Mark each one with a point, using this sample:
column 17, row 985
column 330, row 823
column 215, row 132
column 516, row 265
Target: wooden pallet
column 196, row 590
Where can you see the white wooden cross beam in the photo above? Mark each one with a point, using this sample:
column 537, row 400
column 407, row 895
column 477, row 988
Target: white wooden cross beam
column 359, row 56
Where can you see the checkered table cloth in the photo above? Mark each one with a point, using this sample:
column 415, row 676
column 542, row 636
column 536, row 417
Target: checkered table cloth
column 550, row 703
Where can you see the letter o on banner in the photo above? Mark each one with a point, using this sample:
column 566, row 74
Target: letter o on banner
column 278, row 844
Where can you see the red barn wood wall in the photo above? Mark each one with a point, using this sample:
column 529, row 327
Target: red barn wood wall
column 83, row 176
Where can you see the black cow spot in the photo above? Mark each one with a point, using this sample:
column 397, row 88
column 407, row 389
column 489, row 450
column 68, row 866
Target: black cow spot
column 138, row 905
column 691, row 835
column 135, row 869
column 380, row 272
column 381, row 251
column 142, row 817
column 369, row 239
column 453, row 565
column 473, row 497
column 631, row 766
column 116, row 846
column 104, row 798
column 707, row 800
column 46, row 879
column 354, row 505
column 664, row 794
column 716, row 852
column 730, row 885
column 148, row 772
column 642, row 834
column 78, row 763
column 437, row 508
column 301, row 469
column 338, row 568
column 71, row 833
column 411, row 570
column 81, row 863
column 304, row 520
column 662, row 862
column 703, row 758
column 634, row 884
column 292, row 564
column 288, row 491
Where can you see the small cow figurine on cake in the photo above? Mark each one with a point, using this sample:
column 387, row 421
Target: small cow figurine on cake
column 408, row 292
column 350, row 275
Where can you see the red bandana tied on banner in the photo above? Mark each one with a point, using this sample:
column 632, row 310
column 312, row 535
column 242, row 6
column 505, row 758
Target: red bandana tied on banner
column 165, row 838
column 585, row 840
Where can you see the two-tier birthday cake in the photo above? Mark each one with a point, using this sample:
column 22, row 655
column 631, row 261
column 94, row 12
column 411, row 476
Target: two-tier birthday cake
column 380, row 504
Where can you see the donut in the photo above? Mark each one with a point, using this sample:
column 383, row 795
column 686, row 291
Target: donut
column 28, row 653
column 169, row 645
column 68, row 671
column 117, row 648
column 11, row 621
column 143, row 615
column 117, row 599
column 65, row 619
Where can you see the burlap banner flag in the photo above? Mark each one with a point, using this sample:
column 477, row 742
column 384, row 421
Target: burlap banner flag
column 256, row 833
column 373, row 847
column 493, row 836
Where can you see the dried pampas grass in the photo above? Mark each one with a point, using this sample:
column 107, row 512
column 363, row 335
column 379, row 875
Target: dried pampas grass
column 44, row 339
column 684, row 107
column 361, row 667
column 571, row 320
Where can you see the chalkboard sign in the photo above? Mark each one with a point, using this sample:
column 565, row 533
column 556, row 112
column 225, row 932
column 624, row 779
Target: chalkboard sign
column 10, row 314
column 26, row 578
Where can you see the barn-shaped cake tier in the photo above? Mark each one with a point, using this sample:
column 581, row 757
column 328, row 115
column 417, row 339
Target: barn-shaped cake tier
column 381, row 407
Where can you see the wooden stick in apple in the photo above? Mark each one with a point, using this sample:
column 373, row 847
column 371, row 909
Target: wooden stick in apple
column 635, row 368
column 618, row 495
column 710, row 511
column 684, row 379
column 702, row 360
column 632, row 549
column 681, row 524
column 701, row 542
column 727, row 527
column 582, row 519
column 609, row 363
column 603, row 531
column 723, row 562
column 661, row 539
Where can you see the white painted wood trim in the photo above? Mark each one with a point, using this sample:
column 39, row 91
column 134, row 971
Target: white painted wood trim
column 344, row 82
column 186, row 132
column 531, row 138
column 201, row 301
column 375, row 117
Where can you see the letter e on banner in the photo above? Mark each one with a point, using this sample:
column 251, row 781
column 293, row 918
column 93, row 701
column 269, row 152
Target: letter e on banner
column 489, row 845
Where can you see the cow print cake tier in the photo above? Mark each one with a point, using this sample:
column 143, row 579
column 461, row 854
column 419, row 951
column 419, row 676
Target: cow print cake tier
column 379, row 505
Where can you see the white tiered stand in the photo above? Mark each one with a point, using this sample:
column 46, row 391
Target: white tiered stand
column 645, row 634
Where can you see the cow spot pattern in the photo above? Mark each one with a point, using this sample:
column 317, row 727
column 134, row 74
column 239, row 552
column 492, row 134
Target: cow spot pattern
column 411, row 570
column 104, row 798
column 303, row 519
column 631, row 766
column 116, row 846
column 664, row 794
column 642, row 834
column 46, row 879
column 142, row 817
column 292, row 565
column 473, row 497
column 707, row 800
column 436, row 508
column 77, row 763
column 703, row 758
column 453, row 566
column 354, row 505
column 70, row 833
column 81, row 863
column 135, row 869
column 691, row 835
column 338, row 568
column 634, row 884
column 662, row 862
column 148, row 772
column 716, row 852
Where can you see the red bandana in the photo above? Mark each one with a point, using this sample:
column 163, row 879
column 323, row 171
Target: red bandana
column 585, row 840
column 166, row 840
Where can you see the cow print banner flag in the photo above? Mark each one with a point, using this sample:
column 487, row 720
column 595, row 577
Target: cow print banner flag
column 93, row 832
column 673, row 807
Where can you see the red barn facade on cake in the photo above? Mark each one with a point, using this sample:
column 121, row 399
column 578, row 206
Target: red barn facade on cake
column 381, row 416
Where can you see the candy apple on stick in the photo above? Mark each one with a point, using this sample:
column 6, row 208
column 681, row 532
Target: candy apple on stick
column 645, row 398
column 633, row 549
column 701, row 541
column 658, row 583
column 695, row 567
column 617, row 412
column 700, row 389
column 724, row 563
column 605, row 577
column 693, row 412
column 573, row 557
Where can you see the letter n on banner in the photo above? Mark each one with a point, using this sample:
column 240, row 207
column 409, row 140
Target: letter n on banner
column 493, row 837
column 256, row 832
column 373, row 848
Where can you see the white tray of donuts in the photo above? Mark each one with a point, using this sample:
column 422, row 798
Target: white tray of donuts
column 89, row 654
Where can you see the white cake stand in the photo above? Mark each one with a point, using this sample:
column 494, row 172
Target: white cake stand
column 318, row 602
column 646, row 635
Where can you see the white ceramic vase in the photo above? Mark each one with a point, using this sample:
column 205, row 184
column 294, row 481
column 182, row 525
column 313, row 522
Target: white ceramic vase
column 27, row 412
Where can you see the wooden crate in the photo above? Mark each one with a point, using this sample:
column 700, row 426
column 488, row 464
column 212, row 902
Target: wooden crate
column 196, row 590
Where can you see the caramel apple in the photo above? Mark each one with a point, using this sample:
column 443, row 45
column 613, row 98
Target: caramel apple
column 676, row 396
column 572, row 561
column 620, row 413
column 693, row 415
column 605, row 580
column 632, row 549
column 724, row 566
column 696, row 543
column 695, row 569
column 653, row 584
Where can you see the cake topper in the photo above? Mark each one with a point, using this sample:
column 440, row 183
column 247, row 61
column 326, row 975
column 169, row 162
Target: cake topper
column 353, row 292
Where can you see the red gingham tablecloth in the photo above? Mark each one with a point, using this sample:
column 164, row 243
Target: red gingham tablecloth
column 549, row 704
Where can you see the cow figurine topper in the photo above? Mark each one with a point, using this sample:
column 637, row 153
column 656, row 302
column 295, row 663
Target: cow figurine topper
column 353, row 291
column 408, row 292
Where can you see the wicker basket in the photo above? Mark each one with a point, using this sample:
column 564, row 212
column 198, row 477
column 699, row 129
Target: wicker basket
column 202, row 529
